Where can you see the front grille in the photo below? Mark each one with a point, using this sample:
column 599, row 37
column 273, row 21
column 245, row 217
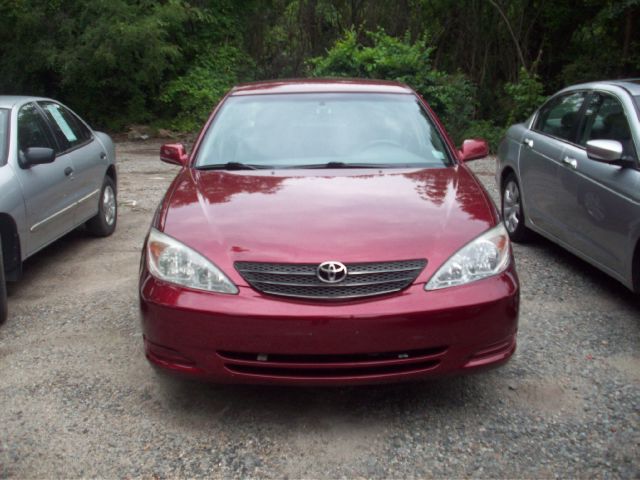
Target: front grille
column 300, row 280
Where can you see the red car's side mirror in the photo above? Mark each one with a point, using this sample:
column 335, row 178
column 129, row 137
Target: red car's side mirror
column 473, row 149
column 174, row 153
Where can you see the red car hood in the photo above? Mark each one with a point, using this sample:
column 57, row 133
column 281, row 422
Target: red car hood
column 312, row 216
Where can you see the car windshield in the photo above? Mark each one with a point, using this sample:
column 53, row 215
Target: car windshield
column 322, row 130
column 4, row 134
column 637, row 99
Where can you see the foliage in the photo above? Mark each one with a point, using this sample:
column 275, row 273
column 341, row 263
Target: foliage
column 598, row 51
column 524, row 96
column 168, row 61
column 400, row 59
column 190, row 98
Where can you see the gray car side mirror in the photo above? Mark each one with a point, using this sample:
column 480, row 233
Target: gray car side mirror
column 36, row 156
column 607, row 151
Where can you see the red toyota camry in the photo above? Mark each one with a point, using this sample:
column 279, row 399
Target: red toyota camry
column 326, row 232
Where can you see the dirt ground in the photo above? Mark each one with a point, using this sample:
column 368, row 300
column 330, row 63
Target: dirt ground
column 78, row 399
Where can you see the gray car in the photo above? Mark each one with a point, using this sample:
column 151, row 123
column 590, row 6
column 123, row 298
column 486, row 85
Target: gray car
column 56, row 174
column 571, row 173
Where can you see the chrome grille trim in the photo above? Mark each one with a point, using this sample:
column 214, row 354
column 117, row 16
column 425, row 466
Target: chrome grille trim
column 300, row 280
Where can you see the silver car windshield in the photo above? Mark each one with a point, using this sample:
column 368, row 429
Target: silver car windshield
column 323, row 130
column 4, row 134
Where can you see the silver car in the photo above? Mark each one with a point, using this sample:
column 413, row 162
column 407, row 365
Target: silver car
column 55, row 174
column 571, row 173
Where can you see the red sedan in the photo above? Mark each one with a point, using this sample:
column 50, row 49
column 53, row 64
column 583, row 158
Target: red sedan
column 326, row 232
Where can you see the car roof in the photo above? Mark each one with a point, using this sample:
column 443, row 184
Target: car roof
column 9, row 101
column 631, row 85
column 320, row 85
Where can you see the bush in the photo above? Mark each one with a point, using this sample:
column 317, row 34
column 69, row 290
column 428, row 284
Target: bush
column 524, row 96
column 452, row 96
column 191, row 97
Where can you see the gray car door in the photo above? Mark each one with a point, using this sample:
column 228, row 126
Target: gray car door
column 541, row 160
column 47, row 188
column 601, row 200
column 87, row 156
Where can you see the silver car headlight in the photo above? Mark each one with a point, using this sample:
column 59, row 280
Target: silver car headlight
column 173, row 262
column 483, row 257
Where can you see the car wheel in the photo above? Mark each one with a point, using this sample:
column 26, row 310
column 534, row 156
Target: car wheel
column 512, row 211
column 104, row 223
column 3, row 289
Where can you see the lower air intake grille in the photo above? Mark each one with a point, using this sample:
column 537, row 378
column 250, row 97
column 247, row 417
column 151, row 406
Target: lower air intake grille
column 301, row 280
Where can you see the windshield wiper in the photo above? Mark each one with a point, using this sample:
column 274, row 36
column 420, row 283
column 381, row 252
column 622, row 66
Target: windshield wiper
column 344, row 165
column 233, row 166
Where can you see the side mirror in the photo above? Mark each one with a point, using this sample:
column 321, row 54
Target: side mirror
column 36, row 156
column 174, row 153
column 473, row 149
column 607, row 151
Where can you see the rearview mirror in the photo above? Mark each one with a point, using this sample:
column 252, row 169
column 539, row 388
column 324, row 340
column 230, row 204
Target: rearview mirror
column 474, row 148
column 174, row 153
column 36, row 156
column 604, row 150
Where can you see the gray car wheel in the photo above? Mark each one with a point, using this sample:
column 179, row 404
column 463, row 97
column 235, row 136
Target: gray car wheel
column 104, row 223
column 3, row 289
column 512, row 211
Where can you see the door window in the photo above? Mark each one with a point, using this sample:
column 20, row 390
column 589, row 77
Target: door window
column 32, row 129
column 605, row 120
column 69, row 129
column 560, row 116
column 4, row 134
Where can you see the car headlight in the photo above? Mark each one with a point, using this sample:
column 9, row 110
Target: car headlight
column 173, row 262
column 483, row 257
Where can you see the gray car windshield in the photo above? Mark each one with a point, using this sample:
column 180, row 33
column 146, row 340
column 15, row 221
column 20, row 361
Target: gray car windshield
column 4, row 134
column 322, row 130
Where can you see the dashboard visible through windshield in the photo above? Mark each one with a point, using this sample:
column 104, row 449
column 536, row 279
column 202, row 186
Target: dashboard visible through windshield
column 322, row 130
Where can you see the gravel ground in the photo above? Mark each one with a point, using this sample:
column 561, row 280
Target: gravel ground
column 78, row 399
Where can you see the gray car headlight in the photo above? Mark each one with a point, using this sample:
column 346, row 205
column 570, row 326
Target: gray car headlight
column 483, row 257
column 173, row 262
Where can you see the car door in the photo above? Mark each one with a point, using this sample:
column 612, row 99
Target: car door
column 86, row 154
column 601, row 199
column 541, row 157
column 46, row 188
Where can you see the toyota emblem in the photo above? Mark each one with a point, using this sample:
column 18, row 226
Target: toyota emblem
column 332, row 272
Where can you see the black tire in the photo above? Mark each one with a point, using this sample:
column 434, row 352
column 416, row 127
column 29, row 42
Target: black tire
column 3, row 290
column 512, row 210
column 104, row 223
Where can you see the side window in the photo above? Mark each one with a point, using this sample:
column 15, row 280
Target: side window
column 32, row 129
column 559, row 118
column 605, row 120
column 69, row 130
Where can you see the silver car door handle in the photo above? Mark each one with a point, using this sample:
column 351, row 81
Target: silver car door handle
column 528, row 142
column 572, row 162
column 68, row 171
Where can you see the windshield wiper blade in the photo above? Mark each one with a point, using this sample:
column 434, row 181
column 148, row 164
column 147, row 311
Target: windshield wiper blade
column 343, row 165
column 232, row 166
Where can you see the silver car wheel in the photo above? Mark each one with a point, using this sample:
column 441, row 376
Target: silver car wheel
column 109, row 205
column 511, row 206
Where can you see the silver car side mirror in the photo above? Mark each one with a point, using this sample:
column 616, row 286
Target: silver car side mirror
column 604, row 150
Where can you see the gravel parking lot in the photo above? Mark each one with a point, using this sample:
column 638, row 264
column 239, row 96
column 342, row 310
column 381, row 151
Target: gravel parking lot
column 78, row 399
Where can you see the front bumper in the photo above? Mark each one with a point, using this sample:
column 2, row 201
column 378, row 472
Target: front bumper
column 255, row 338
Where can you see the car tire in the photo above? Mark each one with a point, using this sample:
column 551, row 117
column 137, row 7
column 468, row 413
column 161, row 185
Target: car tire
column 104, row 223
column 512, row 210
column 3, row 289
